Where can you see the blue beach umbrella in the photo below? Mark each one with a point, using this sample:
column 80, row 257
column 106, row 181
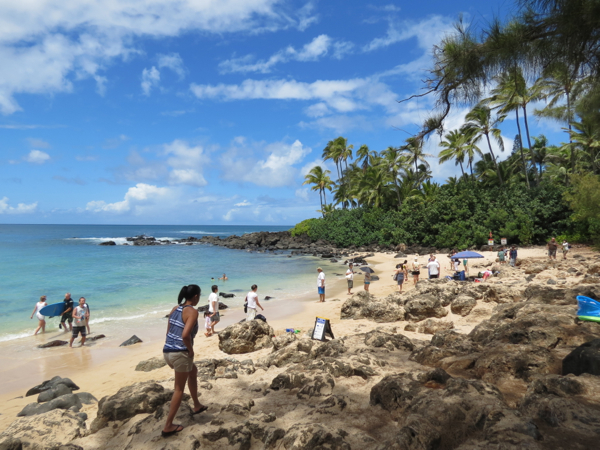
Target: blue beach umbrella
column 466, row 255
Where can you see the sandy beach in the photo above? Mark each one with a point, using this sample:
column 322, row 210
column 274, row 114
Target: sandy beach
column 103, row 367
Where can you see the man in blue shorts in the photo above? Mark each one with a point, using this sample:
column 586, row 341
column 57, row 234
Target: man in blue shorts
column 321, row 284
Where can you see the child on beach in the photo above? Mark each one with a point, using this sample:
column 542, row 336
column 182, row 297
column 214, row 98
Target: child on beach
column 207, row 324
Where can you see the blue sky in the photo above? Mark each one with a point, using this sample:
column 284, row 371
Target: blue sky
column 202, row 111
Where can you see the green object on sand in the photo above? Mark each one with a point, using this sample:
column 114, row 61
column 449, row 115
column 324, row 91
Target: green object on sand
column 589, row 318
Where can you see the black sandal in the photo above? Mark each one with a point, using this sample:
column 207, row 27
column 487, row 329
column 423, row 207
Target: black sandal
column 177, row 429
column 202, row 409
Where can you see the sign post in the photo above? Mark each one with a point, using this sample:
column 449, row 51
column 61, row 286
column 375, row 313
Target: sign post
column 322, row 327
column 504, row 241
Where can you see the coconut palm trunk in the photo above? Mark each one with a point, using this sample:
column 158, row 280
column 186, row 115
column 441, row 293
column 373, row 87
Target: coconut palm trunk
column 537, row 173
column 521, row 149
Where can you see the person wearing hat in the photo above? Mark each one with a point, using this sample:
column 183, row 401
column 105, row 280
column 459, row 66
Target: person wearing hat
column 416, row 270
column 321, row 284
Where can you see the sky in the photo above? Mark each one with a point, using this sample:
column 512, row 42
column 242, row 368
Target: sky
column 207, row 111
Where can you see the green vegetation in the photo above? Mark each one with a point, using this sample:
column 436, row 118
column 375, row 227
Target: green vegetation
column 550, row 51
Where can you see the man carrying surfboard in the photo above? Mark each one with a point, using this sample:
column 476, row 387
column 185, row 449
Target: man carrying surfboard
column 67, row 314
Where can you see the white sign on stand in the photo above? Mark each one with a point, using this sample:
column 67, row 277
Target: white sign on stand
column 504, row 241
column 322, row 327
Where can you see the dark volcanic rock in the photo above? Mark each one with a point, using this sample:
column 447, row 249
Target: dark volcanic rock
column 55, row 343
column 108, row 243
column 95, row 338
column 204, row 308
column 53, row 393
column 246, row 337
column 139, row 398
column 132, row 340
column 584, row 359
column 50, row 384
column 226, row 295
column 151, row 364
column 67, row 401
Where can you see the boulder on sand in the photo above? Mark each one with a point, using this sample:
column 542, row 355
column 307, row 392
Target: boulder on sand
column 365, row 306
column 246, row 337
column 132, row 340
column 139, row 398
column 584, row 359
column 68, row 401
column 49, row 384
column 55, row 343
column 151, row 364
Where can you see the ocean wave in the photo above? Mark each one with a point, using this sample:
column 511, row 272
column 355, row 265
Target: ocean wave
column 119, row 318
column 116, row 240
column 12, row 337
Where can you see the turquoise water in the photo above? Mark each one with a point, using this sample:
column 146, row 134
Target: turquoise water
column 128, row 284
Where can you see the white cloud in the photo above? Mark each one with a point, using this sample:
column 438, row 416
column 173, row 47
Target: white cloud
column 21, row 208
column 278, row 168
column 46, row 44
column 244, row 203
column 228, row 217
column 428, row 32
column 174, row 62
column 302, row 193
column 150, row 79
column 187, row 163
column 317, row 48
column 37, row 157
column 339, row 95
column 137, row 199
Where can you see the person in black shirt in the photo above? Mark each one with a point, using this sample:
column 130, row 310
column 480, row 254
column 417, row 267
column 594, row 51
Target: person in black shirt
column 67, row 315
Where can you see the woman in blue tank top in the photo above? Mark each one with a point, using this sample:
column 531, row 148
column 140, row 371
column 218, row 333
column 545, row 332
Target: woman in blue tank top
column 179, row 353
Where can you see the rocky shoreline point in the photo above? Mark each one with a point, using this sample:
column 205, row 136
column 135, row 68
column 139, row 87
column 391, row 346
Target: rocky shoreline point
column 525, row 376
column 272, row 241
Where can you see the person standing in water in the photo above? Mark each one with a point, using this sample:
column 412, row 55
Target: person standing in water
column 42, row 319
column 367, row 280
column 350, row 278
column 67, row 315
column 179, row 353
column 80, row 315
column 213, row 307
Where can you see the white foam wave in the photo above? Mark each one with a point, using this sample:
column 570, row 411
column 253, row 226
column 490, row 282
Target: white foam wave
column 118, row 240
column 116, row 319
column 12, row 337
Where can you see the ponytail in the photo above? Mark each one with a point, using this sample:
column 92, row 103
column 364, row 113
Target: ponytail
column 188, row 292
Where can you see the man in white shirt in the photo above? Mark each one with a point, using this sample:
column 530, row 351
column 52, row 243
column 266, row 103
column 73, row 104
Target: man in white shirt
column 213, row 307
column 434, row 268
column 321, row 284
column 350, row 278
column 252, row 299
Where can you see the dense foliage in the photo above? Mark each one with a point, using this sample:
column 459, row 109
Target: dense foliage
column 548, row 52
column 460, row 215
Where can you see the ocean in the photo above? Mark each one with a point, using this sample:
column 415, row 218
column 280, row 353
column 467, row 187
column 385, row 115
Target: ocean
column 127, row 285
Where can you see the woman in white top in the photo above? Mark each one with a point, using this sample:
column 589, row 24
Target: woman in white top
column 42, row 319
column 252, row 299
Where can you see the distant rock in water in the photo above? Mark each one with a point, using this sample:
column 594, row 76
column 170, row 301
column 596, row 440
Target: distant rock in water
column 205, row 307
column 268, row 298
column 226, row 295
column 108, row 243
column 55, row 343
column 132, row 340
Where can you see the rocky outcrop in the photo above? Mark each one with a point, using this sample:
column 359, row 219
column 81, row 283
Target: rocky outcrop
column 548, row 326
column 584, row 359
column 151, row 364
column 390, row 341
column 50, row 430
column 222, row 306
column 212, row 369
column 432, row 326
column 129, row 401
column 246, row 337
column 423, row 308
column 366, row 306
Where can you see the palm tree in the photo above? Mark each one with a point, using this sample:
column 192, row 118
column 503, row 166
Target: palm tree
column 586, row 136
column 508, row 95
column 395, row 162
column 480, row 124
column 366, row 156
column 454, row 144
column 413, row 149
column 320, row 180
